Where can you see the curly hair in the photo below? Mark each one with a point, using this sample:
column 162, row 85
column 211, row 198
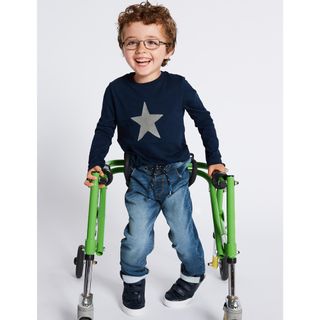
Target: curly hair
column 147, row 13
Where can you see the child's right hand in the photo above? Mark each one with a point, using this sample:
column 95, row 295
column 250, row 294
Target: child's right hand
column 91, row 177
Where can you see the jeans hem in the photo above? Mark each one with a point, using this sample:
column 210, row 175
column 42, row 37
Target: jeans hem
column 132, row 279
column 190, row 279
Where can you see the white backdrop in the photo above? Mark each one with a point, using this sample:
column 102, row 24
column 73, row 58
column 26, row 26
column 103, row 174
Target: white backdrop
column 231, row 53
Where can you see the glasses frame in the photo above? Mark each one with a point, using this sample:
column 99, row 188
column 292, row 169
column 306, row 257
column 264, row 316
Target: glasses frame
column 144, row 43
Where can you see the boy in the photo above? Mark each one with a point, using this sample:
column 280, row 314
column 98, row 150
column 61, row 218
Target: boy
column 147, row 107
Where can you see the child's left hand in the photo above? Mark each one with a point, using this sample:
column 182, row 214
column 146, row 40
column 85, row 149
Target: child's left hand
column 216, row 167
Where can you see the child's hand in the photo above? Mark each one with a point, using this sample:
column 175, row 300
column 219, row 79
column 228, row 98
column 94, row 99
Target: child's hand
column 90, row 177
column 216, row 167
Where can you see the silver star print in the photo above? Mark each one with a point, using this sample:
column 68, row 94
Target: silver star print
column 147, row 122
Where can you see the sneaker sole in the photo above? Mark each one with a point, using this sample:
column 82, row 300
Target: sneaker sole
column 176, row 304
column 133, row 312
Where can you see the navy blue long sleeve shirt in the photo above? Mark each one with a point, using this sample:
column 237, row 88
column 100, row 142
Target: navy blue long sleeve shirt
column 149, row 121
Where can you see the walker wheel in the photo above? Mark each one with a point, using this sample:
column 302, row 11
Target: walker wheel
column 79, row 261
column 223, row 266
column 85, row 312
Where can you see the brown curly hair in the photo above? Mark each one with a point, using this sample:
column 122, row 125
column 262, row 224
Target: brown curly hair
column 148, row 14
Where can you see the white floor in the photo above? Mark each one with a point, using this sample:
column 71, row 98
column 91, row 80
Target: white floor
column 62, row 228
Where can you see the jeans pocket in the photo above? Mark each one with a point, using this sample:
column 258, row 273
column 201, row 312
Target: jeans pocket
column 131, row 177
column 182, row 170
column 139, row 182
column 179, row 174
column 134, row 170
column 181, row 178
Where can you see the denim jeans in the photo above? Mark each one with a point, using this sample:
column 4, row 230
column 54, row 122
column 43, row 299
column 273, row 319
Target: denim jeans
column 153, row 189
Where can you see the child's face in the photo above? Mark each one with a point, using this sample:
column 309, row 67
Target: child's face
column 146, row 63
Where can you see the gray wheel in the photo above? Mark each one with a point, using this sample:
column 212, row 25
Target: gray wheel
column 85, row 312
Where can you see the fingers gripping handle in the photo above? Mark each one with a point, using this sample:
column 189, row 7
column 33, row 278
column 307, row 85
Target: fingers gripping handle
column 107, row 178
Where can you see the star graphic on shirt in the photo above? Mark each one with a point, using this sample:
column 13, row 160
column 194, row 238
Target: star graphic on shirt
column 147, row 122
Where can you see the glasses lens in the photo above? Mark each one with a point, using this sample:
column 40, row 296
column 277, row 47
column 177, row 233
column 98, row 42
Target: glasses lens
column 131, row 44
column 152, row 43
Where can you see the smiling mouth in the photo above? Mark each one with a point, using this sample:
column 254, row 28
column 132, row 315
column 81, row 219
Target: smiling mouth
column 142, row 62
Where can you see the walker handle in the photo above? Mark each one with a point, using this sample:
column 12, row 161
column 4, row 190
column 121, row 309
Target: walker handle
column 108, row 176
column 219, row 179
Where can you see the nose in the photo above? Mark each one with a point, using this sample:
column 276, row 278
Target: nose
column 140, row 45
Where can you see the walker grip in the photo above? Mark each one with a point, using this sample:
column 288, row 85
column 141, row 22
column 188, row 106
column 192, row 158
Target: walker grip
column 219, row 179
column 108, row 177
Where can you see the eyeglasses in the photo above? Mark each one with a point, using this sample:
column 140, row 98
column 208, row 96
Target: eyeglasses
column 150, row 44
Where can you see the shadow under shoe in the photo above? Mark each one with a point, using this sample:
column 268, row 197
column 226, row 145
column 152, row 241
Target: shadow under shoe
column 133, row 298
column 181, row 293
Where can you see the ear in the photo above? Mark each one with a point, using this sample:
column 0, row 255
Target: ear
column 169, row 54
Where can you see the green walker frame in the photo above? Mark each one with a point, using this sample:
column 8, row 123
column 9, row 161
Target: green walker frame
column 225, row 249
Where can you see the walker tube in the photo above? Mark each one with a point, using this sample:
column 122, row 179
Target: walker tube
column 215, row 209
column 220, row 200
column 117, row 170
column 115, row 163
column 101, row 221
column 231, row 242
column 90, row 243
column 215, row 216
column 221, row 215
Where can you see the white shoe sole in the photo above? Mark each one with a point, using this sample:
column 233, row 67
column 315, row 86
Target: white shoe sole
column 133, row 312
column 176, row 304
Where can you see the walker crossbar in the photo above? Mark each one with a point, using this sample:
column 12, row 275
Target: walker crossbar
column 224, row 237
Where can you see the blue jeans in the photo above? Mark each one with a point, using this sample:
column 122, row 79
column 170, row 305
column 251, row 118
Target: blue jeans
column 152, row 189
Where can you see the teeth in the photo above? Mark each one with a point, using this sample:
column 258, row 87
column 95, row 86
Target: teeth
column 142, row 61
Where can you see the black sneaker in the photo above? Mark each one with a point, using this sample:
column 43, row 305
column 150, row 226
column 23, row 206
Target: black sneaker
column 133, row 300
column 181, row 293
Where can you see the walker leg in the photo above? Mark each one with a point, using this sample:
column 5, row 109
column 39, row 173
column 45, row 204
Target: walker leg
column 232, row 308
column 85, row 306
